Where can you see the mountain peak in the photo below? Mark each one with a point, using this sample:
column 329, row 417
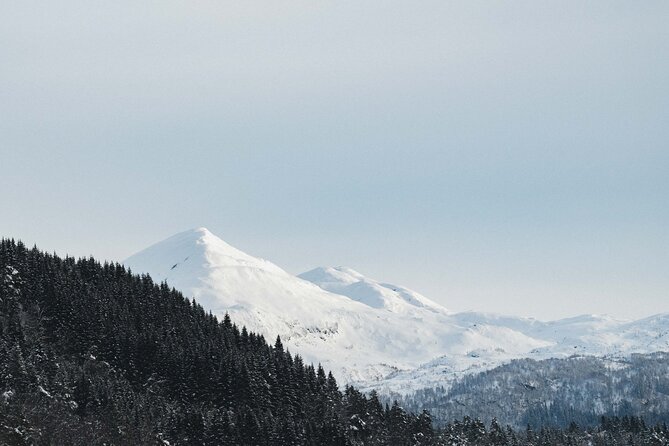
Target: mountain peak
column 200, row 235
column 193, row 233
column 194, row 250
column 201, row 231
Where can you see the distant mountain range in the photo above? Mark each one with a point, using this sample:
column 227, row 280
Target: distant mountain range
column 372, row 334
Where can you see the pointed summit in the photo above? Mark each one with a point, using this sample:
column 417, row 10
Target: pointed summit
column 194, row 248
column 255, row 292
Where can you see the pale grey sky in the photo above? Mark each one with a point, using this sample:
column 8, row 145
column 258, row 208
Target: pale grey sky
column 501, row 156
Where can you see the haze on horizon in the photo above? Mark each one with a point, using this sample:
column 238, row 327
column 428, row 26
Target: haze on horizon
column 506, row 157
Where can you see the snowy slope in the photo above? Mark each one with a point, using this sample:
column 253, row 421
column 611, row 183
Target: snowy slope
column 374, row 334
column 358, row 342
column 348, row 282
column 596, row 335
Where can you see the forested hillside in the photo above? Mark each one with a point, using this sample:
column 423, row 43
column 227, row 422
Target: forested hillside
column 555, row 392
column 91, row 354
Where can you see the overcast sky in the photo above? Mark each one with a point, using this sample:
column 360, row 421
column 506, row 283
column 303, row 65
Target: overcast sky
column 502, row 156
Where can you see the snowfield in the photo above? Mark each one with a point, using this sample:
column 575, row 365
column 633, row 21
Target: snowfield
column 376, row 335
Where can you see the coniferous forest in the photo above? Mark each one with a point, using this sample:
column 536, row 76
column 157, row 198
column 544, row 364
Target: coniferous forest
column 554, row 392
column 91, row 354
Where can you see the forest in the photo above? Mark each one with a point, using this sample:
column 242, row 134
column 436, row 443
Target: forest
column 554, row 392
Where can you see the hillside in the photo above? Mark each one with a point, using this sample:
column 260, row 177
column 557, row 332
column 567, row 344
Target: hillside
column 91, row 354
column 555, row 392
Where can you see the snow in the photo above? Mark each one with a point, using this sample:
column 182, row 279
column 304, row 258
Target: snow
column 43, row 391
column 372, row 334
column 348, row 282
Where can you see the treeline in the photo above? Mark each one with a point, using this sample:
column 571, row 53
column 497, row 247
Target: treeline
column 91, row 354
column 612, row 431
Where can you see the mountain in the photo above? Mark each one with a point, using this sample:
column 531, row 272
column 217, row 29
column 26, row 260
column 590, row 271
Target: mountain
column 360, row 343
column 92, row 355
column 348, row 282
column 588, row 335
column 376, row 335
column 223, row 279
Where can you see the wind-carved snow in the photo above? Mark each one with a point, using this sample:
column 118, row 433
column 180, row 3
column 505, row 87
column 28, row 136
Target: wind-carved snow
column 374, row 334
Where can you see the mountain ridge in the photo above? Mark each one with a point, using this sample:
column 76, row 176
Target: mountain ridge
column 370, row 333
column 348, row 282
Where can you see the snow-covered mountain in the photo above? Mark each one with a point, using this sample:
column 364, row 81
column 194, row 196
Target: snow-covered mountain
column 374, row 334
column 348, row 282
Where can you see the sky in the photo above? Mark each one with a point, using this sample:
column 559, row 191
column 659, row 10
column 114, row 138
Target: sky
column 509, row 157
